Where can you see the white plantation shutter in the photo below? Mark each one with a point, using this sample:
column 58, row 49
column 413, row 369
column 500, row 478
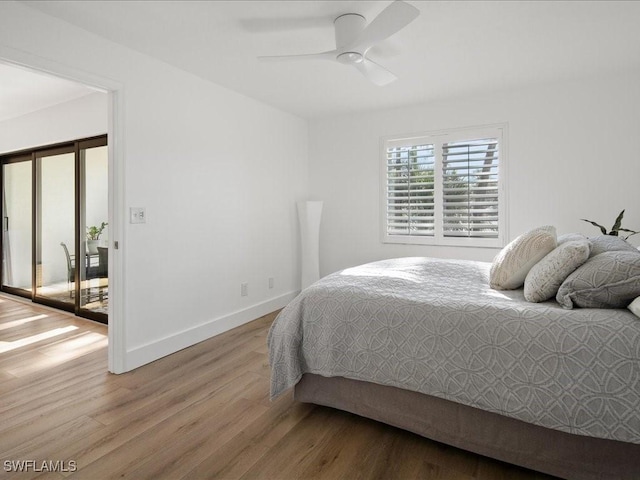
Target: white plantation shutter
column 445, row 188
column 470, row 188
column 410, row 190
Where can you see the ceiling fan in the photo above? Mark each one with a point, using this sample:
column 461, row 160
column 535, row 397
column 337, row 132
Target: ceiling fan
column 354, row 38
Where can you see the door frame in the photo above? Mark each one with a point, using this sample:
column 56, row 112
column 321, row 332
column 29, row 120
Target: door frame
column 35, row 156
column 115, row 131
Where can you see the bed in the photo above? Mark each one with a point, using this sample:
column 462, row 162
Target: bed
column 427, row 345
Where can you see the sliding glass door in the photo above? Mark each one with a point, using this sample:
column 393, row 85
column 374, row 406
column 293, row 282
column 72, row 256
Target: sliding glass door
column 55, row 225
column 17, row 223
column 94, row 196
column 55, row 230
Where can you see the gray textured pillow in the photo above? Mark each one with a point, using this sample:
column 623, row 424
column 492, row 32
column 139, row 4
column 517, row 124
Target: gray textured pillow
column 608, row 280
column 546, row 276
column 609, row 243
column 511, row 265
column 635, row 307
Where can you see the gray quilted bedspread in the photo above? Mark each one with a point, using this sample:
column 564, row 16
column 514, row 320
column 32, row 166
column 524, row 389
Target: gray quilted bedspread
column 434, row 326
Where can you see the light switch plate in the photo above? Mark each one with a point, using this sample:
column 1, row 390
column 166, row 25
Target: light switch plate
column 137, row 215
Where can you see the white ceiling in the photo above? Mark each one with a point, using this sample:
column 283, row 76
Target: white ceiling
column 454, row 48
column 24, row 91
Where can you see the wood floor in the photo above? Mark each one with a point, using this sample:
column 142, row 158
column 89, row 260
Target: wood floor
column 203, row 412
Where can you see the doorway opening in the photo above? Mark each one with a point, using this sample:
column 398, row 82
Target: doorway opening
column 105, row 115
column 55, row 206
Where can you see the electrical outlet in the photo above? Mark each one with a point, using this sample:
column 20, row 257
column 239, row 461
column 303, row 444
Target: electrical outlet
column 244, row 289
column 270, row 282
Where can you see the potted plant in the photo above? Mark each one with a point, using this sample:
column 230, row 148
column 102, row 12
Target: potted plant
column 616, row 229
column 93, row 235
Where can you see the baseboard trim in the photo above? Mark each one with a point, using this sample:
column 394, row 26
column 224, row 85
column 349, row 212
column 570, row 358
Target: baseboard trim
column 150, row 352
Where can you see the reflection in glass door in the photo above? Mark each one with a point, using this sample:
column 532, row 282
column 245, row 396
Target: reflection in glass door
column 55, row 225
column 94, row 196
column 16, row 226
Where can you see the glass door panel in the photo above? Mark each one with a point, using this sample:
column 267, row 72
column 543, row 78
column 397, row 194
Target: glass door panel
column 56, row 257
column 55, row 206
column 94, row 194
column 16, row 229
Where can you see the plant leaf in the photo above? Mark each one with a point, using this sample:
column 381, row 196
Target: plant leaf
column 616, row 225
column 630, row 232
column 602, row 229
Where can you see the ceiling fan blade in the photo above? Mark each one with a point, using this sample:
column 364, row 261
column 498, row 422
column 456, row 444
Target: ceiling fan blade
column 375, row 73
column 391, row 20
column 330, row 55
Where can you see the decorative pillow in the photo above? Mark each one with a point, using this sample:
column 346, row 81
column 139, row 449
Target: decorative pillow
column 608, row 280
column 609, row 243
column 511, row 265
column 635, row 307
column 546, row 276
column 570, row 237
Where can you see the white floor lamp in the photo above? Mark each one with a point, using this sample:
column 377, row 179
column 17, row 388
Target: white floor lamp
column 309, row 213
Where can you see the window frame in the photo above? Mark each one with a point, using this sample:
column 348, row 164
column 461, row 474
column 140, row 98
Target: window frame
column 438, row 138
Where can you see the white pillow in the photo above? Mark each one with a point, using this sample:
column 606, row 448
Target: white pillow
column 570, row 237
column 511, row 265
column 546, row 276
column 609, row 243
column 635, row 305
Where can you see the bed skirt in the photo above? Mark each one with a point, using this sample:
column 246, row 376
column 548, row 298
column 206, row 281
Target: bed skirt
column 485, row 433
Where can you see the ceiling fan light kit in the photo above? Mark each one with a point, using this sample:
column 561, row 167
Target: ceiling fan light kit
column 354, row 37
column 349, row 58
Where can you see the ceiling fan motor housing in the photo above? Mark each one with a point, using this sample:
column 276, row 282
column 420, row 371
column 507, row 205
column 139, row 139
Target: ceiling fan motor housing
column 348, row 27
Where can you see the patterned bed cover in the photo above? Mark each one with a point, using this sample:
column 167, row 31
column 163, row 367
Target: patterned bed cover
column 434, row 326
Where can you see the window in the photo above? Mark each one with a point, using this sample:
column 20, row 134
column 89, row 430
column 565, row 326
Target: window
column 445, row 188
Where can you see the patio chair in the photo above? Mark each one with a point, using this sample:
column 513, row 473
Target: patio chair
column 71, row 268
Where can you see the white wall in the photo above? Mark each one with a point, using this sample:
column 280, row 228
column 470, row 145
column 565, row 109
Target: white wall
column 572, row 154
column 80, row 118
column 218, row 174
